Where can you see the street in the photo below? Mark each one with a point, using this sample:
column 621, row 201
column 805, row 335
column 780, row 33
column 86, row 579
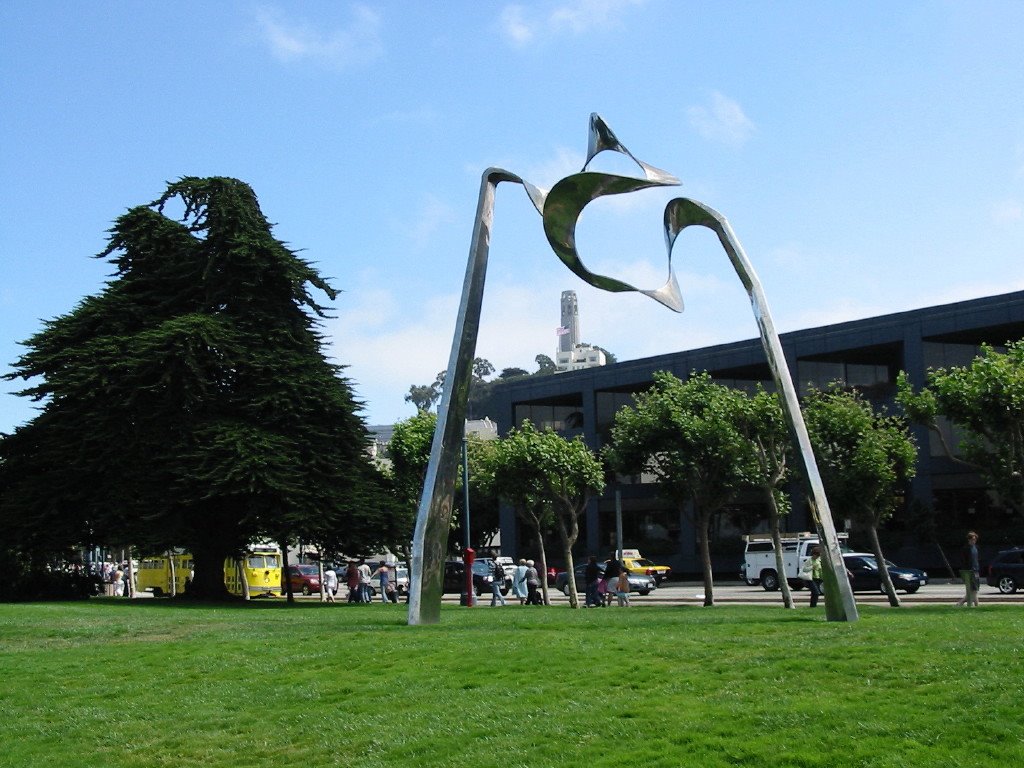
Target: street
column 939, row 591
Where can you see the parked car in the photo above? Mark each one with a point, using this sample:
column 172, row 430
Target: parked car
column 640, row 583
column 647, row 567
column 455, row 578
column 867, row 578
column 304, row 578
column 1006, row 571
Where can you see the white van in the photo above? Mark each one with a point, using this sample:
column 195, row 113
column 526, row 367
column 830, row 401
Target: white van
column 759, row 565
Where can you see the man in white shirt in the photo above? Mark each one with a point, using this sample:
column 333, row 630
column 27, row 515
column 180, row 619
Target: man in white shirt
column 330, row 584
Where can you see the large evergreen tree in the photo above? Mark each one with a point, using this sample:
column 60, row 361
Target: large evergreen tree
column 189, row 403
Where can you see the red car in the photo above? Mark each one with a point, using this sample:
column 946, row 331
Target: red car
column 304, row 579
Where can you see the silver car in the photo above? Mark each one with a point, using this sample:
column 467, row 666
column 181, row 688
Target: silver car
column 642, row 584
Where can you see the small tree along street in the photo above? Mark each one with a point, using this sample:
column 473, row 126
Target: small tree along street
column 690, row 436
column 542, row 474
column 865, row 459
column 190, row 403
column 764, row 425
column 986, row 400
column 409, row 452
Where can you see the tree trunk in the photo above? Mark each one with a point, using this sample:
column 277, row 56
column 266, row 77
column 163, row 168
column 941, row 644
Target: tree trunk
column 208, row 577
column 240, row 568
column 173, row 586
column 703, row 521
column 536, row 522
column 320, row 570
column 570, row 572
column 883, row 572
column 543, row 572
column 780, row 567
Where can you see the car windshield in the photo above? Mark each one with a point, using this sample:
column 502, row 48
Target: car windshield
column 308, row 570
column 874, row 563
column 644, row 563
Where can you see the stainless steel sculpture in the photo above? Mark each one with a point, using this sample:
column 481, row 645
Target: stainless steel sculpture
column 560, row 209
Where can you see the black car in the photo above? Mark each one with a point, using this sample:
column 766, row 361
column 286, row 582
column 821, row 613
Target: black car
column 455, row 578
column 865, row 576
column 1006, row 571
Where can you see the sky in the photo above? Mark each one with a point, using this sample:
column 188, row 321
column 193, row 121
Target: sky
column 869, row 156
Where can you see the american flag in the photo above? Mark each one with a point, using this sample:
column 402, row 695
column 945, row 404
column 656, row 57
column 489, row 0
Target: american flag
column 561, row 330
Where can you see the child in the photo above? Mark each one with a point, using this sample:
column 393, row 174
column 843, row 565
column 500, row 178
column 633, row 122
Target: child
column 622, row 588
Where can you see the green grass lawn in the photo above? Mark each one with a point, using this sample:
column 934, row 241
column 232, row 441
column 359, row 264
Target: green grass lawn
column 157, row 683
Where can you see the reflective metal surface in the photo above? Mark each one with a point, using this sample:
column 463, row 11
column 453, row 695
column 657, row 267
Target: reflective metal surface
column 570, row 196
column 681, row 213
column 432, row 520
column 560, row 209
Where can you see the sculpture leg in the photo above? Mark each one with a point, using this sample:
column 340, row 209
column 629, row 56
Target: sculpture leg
column 435, row 509
column 840, row 604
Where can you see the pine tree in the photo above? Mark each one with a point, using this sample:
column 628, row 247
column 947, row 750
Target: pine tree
column 190, row 402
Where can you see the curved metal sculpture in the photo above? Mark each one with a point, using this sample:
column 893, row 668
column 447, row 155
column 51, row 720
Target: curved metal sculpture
column 560, row 209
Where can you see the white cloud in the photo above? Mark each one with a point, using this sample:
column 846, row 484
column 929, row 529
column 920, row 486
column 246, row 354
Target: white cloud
column 723, row 120
column 514, row 25
column 390, row 340
column 1007, row 212
column 357, row 44
column 546, row 174
column 521, row 25
column 432, row 214
column 389, row 345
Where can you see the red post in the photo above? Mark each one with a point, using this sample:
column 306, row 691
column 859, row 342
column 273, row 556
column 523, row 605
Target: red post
column 468, row 594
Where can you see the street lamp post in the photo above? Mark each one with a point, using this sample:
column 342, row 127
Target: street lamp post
column 468, row 553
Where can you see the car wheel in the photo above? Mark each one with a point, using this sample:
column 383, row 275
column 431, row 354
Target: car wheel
column 1007, row 585
column 305, row 589
column 769, row 581
column 752, row 582
column 913, row 589
column 157, row 592
column 645, row 591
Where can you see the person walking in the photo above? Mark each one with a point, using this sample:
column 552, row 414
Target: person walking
column 384, row 574
column 970, row 571
column 330, row 585
column 352, row 580
column 519, row 581
column 497, row 583
column 812, row 569
column 592, row 577
column 364, row 582
column 532, row 584
column 612, row 569
column 622, row 588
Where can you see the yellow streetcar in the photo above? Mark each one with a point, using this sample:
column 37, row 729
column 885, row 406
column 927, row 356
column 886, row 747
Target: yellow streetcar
column 260, row 569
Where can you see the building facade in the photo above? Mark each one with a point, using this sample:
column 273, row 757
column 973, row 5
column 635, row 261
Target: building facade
column 943, row 499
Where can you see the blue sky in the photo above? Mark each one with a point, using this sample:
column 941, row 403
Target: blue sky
column 870, row 157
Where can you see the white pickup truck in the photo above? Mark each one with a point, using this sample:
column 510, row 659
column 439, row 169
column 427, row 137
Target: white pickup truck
column 759, row 565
